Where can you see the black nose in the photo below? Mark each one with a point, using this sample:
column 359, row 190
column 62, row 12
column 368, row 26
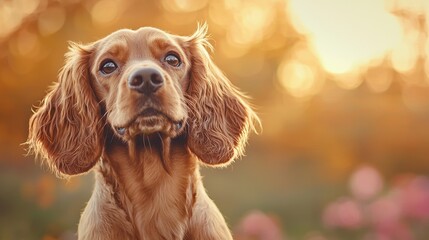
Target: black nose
column 145, row 80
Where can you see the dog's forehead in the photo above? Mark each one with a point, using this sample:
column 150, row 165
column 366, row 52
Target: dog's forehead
column 144, row 41
column 139, row 36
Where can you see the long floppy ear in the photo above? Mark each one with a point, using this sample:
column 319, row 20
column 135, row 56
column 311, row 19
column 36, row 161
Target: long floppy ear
column 219, row 116
column 66, row 130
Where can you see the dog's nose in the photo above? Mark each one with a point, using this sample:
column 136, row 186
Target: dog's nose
column 145, row 80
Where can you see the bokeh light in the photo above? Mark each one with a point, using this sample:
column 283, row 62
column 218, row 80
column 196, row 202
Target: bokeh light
column 184, row 5
column 344, row 213
column 365, row 183
column 298, row 78
column 106, row 11
column 51, row 20
column 346, row 34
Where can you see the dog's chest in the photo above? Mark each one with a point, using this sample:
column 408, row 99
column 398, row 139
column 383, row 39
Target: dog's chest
column 157, row 204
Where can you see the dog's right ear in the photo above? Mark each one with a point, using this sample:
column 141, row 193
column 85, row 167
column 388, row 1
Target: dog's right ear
column 220, row 118
column 66, row 130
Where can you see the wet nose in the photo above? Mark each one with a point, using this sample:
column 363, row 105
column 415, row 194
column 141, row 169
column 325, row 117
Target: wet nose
column 145, row 80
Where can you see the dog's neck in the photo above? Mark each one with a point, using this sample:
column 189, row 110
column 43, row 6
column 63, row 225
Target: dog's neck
column 139, row 180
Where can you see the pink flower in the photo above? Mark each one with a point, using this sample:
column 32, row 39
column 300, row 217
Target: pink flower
column 257, row 225
column 401, row 231
column 385, row 213
column 344, row 213
column 365, row 183
column 415, row 198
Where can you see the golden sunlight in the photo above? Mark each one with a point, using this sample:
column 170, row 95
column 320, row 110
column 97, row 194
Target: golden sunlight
column 51, row 21
column 346, row 34
column 12, row 14
column 184, row 5
column 250, row 23
column 105, row 12
column 297, row 78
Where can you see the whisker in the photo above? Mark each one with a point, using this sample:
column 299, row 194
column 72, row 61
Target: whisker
column 165, row 149
column 159, row 135
column 144, row 142
column 148, row 141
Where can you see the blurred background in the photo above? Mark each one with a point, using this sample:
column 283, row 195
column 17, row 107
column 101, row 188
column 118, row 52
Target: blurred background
column 342, row 88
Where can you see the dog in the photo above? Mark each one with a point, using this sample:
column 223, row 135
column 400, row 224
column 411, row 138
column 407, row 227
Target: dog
column 143, row 109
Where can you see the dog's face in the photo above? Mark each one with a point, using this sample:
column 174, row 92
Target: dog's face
column 141, row 76
column 141, row 82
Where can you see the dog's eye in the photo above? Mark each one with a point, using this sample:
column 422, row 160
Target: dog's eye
column 108, row 67
column 172, row 59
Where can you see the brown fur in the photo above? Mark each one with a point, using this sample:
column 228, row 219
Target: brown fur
column 148, row 184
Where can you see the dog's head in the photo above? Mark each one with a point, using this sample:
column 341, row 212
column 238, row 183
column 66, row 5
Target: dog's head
column 140, row 82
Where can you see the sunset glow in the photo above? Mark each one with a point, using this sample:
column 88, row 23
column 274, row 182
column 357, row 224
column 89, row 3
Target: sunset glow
column 346, row 34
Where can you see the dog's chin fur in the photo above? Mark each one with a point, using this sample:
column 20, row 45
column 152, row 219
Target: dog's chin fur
column 148, row 126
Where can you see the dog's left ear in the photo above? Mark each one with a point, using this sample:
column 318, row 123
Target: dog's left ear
column 66, row 130
column 219, row 116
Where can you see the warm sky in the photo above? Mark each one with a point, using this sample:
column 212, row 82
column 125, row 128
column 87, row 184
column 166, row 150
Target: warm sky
column 347, row 34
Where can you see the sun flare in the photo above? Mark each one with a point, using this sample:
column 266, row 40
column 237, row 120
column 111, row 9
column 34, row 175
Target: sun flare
column 346, row 34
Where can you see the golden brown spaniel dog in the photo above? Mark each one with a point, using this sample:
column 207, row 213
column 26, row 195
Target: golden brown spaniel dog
column 142, row 109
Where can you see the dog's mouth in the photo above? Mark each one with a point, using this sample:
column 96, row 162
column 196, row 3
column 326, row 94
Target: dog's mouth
column 150, row 121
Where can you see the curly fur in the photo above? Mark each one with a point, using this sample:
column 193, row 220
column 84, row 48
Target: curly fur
column 220, row 119
column 66, row 130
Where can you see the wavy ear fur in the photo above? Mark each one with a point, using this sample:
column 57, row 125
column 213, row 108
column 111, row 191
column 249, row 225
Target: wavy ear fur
column 66, row 130
column 219, row 116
